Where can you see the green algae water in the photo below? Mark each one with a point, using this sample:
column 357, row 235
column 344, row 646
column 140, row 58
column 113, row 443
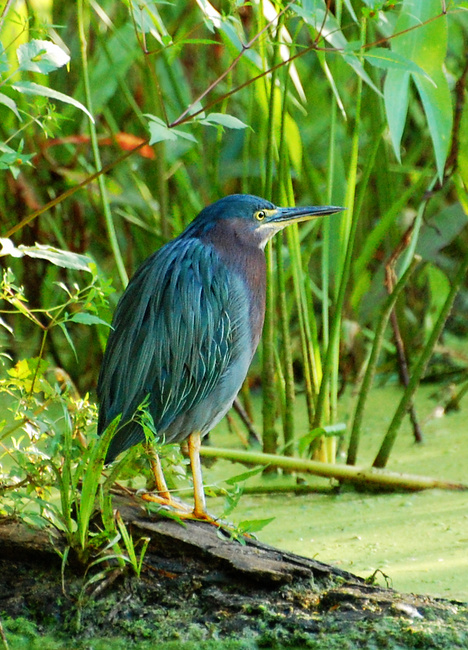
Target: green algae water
column 419, row 540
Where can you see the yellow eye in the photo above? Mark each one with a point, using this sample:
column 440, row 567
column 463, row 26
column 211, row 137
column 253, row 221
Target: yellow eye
column 260, row 215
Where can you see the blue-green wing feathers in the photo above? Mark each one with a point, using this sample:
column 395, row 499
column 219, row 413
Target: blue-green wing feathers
column 172, row 339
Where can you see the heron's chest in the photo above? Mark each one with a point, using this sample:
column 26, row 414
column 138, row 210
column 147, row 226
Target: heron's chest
column 253, row 276
column 246, row 268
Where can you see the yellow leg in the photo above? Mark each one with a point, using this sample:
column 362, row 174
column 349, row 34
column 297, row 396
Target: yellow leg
column 164, row 496
column 156, row 468
column 194, row 444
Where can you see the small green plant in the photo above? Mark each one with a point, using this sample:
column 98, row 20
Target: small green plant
column 51, row 459
column 135, row 561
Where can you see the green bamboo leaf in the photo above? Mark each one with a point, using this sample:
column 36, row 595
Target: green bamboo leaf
column 439, row 287
column 330, row 430
column 328, row 74
column 127, row 539
column 437, row 103
column 148, row 19
column 7, row 101
column 426, row 47
column 41, row 56
column 396, row 97
column 382, row 57
column 110, row 63
column 254, row 525
column 8, row 248
column 221, row 119
column 91, row 478
column 57, row 256
column 239, row 478
column 159, row 131
column 321, row 18
column 305, row 441
column 353, row 46
column 7, row 327
column 197, row 41
column 440, row 231
column 31, row 88
column 350, row 8
column 65, row 259
column 230, row 29
column 63, row 327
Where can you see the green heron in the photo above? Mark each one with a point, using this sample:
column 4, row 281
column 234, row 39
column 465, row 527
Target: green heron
column 186, row 329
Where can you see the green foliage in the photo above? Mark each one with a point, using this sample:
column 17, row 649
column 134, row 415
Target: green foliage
column 425, row 47
column 39, row 56
column 51, row 461
column 363, row 106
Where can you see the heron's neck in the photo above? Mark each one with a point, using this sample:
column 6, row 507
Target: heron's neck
column 246, row 258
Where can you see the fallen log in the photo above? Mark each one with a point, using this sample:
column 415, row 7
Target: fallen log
column 198, row 584
column 370, row 476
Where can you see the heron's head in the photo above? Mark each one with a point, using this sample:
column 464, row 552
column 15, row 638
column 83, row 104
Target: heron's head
column 253, row 219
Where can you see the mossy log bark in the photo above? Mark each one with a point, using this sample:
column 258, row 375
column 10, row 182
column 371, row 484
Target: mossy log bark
column 197, row 585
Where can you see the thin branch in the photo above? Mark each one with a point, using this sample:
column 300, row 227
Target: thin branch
column 24, row 222
column 185, row 117
column 452, row 158
column 232, row 65
column 390, row 282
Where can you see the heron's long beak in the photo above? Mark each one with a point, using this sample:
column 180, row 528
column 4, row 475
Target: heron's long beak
column 284, row 216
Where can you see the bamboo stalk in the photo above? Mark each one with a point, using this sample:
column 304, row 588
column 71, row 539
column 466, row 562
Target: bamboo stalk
column 349, row 222
column 418, row 370
column 307, row 340
column 372, row 362
column 361, row 475
column 270, row 436
column 286, row 341
column 96, row 154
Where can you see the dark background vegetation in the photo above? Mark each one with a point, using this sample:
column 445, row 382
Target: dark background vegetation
column 361, row 104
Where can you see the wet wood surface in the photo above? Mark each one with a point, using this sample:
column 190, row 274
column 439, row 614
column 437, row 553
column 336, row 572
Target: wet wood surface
column 194, row 574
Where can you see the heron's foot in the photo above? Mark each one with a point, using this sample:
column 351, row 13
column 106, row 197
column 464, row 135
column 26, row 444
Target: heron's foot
column 167, row 501
column 203, row 515
column 180, row 509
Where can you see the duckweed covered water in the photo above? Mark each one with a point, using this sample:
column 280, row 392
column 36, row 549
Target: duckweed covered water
column 419, row 540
